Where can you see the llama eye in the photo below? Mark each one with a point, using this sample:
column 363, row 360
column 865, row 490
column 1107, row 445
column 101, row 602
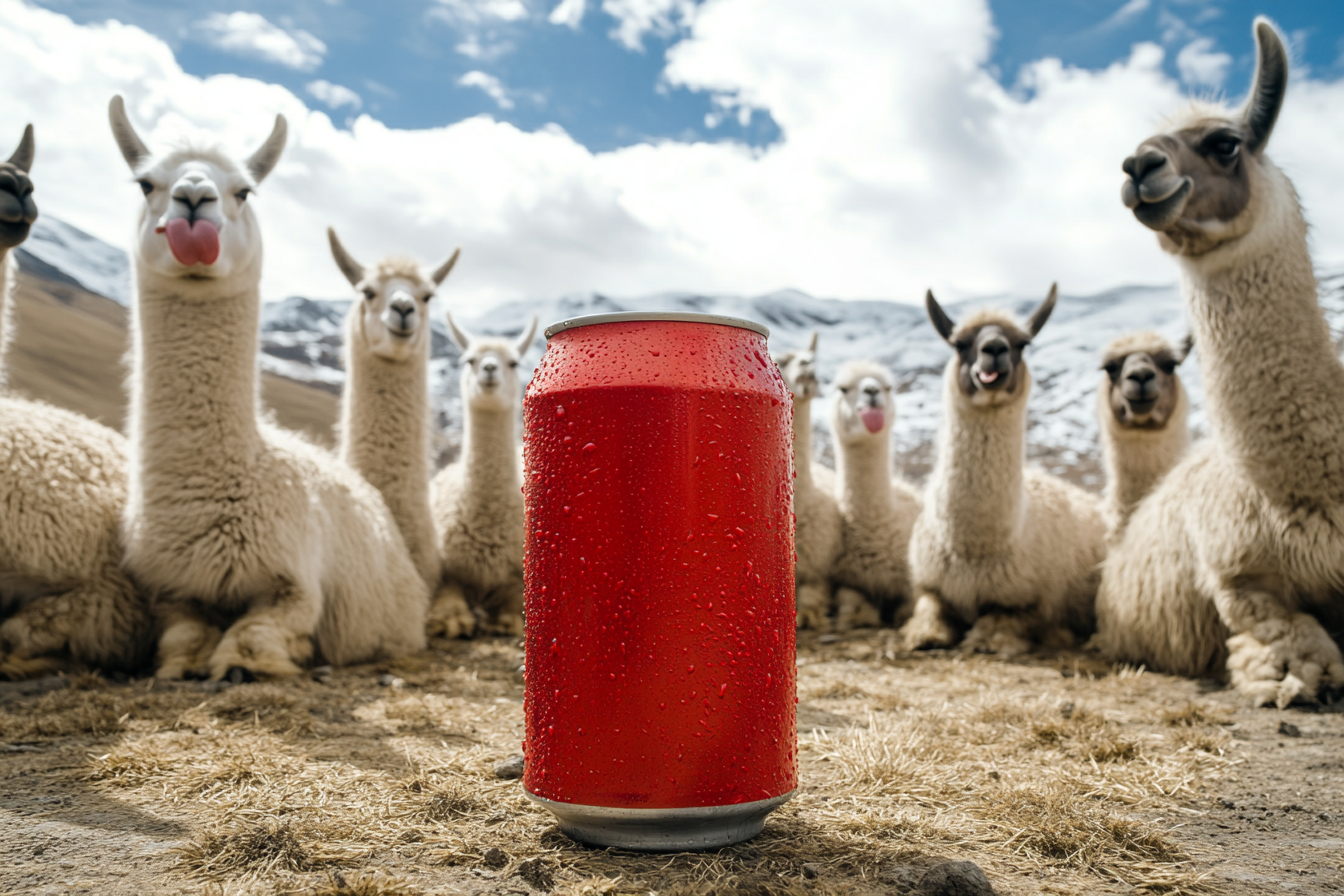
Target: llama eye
column 1167, row 367
column 513, row 363
column 1112, row 370
column 243, row 194
column 846, row 389
column 146, row 187
column 1224, row 146
column 370, row 292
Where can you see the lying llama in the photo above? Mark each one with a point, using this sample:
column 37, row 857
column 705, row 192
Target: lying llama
column 1236, row 560
column 815, row 511
column 1009, row 552
column 258, row 545
column 385, row 406
column 1141, row 412
column 478, row 500
column 877, row 512
column 64, row 598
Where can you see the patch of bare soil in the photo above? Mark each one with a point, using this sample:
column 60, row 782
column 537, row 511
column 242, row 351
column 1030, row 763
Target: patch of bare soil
column 1054, row 774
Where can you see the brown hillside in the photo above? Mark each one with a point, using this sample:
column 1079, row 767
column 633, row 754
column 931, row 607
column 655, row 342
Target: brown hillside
column 68, row 350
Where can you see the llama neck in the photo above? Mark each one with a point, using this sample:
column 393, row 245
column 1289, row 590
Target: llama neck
column 490, row 453
column 194, row 376
column 863, row 470
column 385, row 431
column 1272, row 383
column 6, row 306
column 976, row 485
column 802, row 442
column 1136, row 459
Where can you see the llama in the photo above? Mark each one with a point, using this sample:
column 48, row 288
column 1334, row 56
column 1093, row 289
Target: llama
column 64, row 598
column 877, row 512
column 1141, row 412
column 478, row 500
column 815, row 511
column 1009, row 552
column 1235, row 562
column 385, row 405
column 259, row 546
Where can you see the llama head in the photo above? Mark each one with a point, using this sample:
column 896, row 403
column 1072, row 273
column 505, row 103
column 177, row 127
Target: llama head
column 17, row 209
column 391, row 320
column 989, row 368
column 196, row 223
column 864, row 408
column 1144, row 388
column 490, row 380
column 799, row 369
column 1201, row 182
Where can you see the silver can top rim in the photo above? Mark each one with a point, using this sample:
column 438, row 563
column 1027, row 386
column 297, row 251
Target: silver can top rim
column 722, row 320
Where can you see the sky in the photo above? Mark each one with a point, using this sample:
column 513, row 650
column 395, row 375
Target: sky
column 851, row 149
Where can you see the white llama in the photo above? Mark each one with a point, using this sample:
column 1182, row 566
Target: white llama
column 877, row 512
column 1142, row 412
column 1236, row 560
column 816, row 513
column 64, row 599
column 1009, row 552
column 385, row 405
column 258, row 545
column 478, row 500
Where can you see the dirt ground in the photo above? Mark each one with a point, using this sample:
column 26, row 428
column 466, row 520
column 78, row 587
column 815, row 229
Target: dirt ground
column 1055, row 774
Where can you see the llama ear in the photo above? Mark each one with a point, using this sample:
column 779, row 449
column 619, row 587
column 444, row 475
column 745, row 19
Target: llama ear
column 941, row 322
column 1183, row 350
column 260, row 163
column 1271, row 83
column 460, row 337
column 1042, row 314
column 525, row 342
column 133, row 149
column 23, row 156
column 353, row 270
column 442, row 271
column 812, row 345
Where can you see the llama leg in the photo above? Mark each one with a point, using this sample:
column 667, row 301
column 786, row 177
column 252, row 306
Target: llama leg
column 33, row 641
column 853, row 610
column 998, row 633
column 927, row 626
column 450, row 615
column 273, row 639
column 812, row 602
column 185, row 645
column 504, row 606
column 1276, row 655
column 100, row 623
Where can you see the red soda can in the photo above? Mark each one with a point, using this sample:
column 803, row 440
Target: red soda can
column 659, row 569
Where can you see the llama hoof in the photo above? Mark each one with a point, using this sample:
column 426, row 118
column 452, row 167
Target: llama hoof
column 926, row 629
column 16, row 668
column 999, row 635
column 1284, row 660
column 450, row 619
column 853, row 610
column 811, row 601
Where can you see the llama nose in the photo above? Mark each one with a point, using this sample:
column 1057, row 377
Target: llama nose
column 403, row 308
column 1140, row 384
column 993, row 350
column 1139, row 165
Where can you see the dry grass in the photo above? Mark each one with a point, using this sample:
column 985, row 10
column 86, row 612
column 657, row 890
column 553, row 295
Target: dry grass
column 352, row 788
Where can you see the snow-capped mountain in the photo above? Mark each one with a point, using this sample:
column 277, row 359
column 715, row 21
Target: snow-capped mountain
column 301, row 340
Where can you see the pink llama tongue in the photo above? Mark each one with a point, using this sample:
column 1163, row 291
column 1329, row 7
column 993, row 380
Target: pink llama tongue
column 872, row 418
column 197, row 244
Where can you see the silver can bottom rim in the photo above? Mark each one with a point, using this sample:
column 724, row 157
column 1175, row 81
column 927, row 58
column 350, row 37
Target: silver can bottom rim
column 662, row 830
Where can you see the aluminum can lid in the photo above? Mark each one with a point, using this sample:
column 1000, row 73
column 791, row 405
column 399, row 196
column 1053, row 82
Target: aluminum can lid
column 722, row 320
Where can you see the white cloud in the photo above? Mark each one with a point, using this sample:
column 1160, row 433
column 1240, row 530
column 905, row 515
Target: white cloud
column 1200, row 66
column 636, row 18
column 1126, row 14
column 477, row 11
column 250, row 34
column 568, row 12
column 472, row 47
column 903, row 164
column 490, row 85
column 334, row 96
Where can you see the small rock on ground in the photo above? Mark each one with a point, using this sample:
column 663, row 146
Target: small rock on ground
column 495, row 857
column 955, row 879
column 1288, row 729
column 538, row 874
column 811, row 871
column 510, row 768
